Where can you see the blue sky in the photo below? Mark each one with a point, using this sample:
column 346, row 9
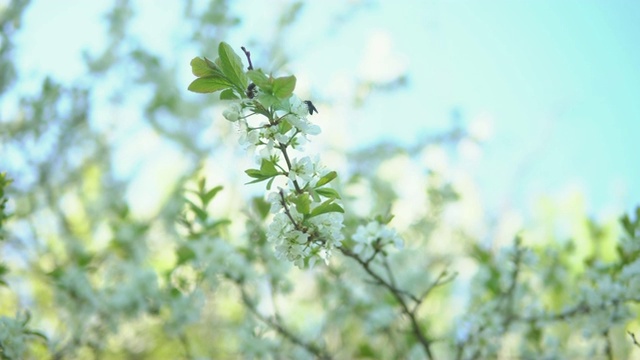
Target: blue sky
column 559, row 79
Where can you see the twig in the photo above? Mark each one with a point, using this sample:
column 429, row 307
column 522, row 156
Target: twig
column 247, row 53
column 398, row 294
column 286, row 333
column 283, row 149
column 286, row 210
column 633, row 337
column 440, row 280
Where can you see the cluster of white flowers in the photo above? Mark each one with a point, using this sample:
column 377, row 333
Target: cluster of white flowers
column 600, row 302
column 309, row 242
column 604, row 294
column 371, row 238
column 266, row 133
column 297, row 233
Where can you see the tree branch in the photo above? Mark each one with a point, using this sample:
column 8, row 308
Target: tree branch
column 286, row 333
column 398, row 295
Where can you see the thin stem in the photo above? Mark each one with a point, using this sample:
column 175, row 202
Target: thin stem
column 398, row 295
column 286, row 209
column 440, row 280
column 286, row 333
column 283, row 149
column 633, row 337
column 392, row 280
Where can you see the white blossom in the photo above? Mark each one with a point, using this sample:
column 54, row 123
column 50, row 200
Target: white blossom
column 248, row 137
column 298, row 107
column 329, row 226
column 301, row 169
column 374, row 234
column 303, row 125
column 275, row 200
column 233, row 112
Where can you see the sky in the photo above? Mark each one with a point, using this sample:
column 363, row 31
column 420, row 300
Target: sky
column 559, row 82
column 552, row 85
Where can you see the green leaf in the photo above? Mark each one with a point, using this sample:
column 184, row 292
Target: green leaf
column 209, row 84
column 185, row 254
column 254, row 173
column 628, row 225
column 231, row 65
column 326, row 207
column 259, row 78
column 314, row 195
column 36, row 333
column 201, row 68
column 56, row 273
column 216, row 224
column 262, row 206
column 268, row 100
column 206, row 198
column 256, row 180
column 228, row 94
column 303, row 203
column 270, row 183
column 283, row 86
column 384, row 218
column 4, row 270
column 328, row 193
column 481, row 254
column 213, row 65
column 83, row 259
column 366, row 351
column 327, row 178
column 259, row 175
column 200, row 213
column 284, row 127
column 268, row 168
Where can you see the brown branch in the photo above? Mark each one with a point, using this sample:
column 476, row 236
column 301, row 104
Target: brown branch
column 398, row 295
column 247, row 53
column 283, row 149
column 286, row 210
column 278, row 327
column 440, row 280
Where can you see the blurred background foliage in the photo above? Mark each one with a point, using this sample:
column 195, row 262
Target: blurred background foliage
column 113, row 243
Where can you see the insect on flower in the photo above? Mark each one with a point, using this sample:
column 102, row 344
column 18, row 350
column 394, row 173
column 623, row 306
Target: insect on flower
column 310, row 107
column 251, row 91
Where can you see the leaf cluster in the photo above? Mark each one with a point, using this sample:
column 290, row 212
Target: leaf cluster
column 226, row 74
